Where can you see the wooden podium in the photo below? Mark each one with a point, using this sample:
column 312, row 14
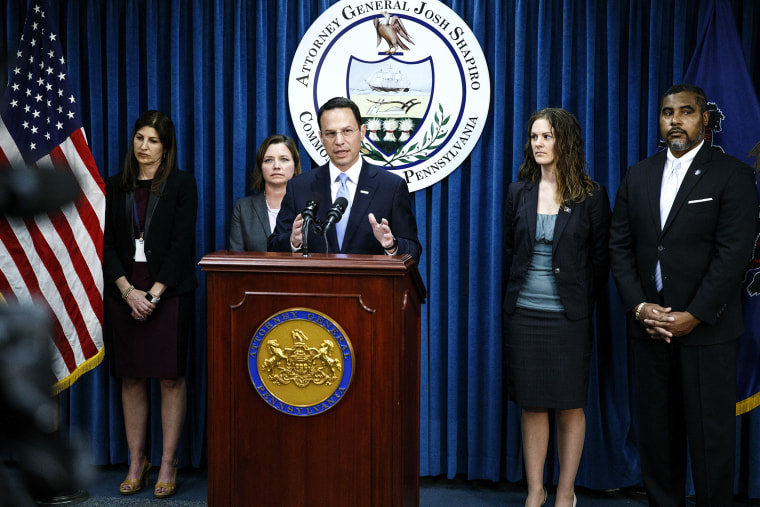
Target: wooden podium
column 362, row 450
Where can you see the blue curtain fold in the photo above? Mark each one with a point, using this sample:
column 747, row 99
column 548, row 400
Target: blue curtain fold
column 220, row 69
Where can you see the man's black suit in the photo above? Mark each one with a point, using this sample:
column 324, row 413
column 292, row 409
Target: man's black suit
column 378, row 192
column 686, row 388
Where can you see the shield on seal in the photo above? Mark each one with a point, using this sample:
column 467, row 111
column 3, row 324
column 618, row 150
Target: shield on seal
column 393, row 97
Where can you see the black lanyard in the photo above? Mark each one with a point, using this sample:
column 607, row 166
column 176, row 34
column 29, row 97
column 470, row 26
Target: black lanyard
column 137, row 220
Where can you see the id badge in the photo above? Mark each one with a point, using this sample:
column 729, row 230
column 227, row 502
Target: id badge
column 140, row 251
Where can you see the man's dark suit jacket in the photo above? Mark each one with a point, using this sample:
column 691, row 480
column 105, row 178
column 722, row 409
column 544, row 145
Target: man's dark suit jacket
column 169, row 233
column 378, row 191
column 580, row 259
column 249, row 226
column 704, row 248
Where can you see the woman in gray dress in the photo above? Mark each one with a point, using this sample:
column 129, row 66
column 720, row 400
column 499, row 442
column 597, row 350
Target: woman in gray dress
column 254, row 216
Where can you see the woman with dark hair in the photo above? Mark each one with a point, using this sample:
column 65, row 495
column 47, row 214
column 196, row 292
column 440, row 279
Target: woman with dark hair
column 556, row 227
column 254, row 216
column 149, row 270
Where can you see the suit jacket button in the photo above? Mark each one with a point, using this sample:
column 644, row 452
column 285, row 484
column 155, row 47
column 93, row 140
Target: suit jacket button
column 660, row 248
column 556, row 270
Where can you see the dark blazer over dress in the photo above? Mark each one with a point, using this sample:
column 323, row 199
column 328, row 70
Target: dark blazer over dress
column 548, row 352
column 157, row 346
column 580, row 260
column 169, row 234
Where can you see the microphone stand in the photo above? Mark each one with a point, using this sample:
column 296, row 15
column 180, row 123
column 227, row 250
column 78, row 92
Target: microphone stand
column 327, row 246
column 305, row 234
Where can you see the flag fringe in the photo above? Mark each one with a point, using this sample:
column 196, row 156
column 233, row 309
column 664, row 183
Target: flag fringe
column 83, row 368
column 744, row 406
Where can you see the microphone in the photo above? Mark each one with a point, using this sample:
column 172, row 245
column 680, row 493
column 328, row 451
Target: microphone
column 335, row 213
column 312, row 205
column 309, row 216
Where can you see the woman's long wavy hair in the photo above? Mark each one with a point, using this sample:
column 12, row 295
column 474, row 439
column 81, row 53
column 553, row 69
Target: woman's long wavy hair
column 573, row 182
column 257, row 176
column 165, row 129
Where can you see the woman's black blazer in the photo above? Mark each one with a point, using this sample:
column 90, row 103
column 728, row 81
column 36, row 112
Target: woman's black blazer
column 580, row 256
column 169, row 233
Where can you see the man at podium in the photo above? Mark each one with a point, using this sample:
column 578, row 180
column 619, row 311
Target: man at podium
column 358, row 208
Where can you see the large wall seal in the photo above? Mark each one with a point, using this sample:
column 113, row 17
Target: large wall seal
column 417, row 73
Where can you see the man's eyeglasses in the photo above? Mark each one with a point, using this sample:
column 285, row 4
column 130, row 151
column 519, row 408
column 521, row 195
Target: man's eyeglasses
column 347, row 133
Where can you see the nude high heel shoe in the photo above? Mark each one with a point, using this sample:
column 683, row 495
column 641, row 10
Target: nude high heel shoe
column 169, row 487
column 132, row 486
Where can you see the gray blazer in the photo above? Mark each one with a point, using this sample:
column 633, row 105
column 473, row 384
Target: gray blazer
column 249, row 227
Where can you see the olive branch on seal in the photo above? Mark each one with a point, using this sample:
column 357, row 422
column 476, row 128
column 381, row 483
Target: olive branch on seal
column 413, row 153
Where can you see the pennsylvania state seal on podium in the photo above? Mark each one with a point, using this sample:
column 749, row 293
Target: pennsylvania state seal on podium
column 301, row 362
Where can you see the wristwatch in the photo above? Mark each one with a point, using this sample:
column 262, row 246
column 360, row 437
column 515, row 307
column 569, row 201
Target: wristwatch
column 151, row 298
column 393, row 246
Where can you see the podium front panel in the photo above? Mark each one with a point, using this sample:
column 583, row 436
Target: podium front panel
column 362, row 450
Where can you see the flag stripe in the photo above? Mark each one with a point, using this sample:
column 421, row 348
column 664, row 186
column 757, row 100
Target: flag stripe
column 91, row 200
column 79, row 143
column 11, row 264
column 32, row 286
column 59, row 293
column 3, row 159
column 79, row 265
column 6, row 294
column 11, row 155
column 75, row 154
column 91, row 222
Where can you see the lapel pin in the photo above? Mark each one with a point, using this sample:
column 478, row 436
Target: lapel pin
column 363, row 192
column 697, row 172
column 567, row 209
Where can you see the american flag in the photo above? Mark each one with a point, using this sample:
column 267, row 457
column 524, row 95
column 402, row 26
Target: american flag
column 54, row 259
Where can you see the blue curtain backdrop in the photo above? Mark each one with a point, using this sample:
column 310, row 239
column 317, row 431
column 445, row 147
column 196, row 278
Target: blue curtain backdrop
column 219, row 69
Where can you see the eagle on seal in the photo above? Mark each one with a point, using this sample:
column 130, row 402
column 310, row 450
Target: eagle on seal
column 392, row 30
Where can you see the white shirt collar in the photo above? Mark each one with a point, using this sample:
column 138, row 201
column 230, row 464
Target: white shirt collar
column 352, row 172
column 687, row 158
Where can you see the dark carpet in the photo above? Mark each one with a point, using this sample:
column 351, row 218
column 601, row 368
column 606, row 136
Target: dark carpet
column 192, row 491
column 103, row 490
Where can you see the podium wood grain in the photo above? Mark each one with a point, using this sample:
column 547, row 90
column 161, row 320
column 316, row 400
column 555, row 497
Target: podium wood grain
column 364, row 451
